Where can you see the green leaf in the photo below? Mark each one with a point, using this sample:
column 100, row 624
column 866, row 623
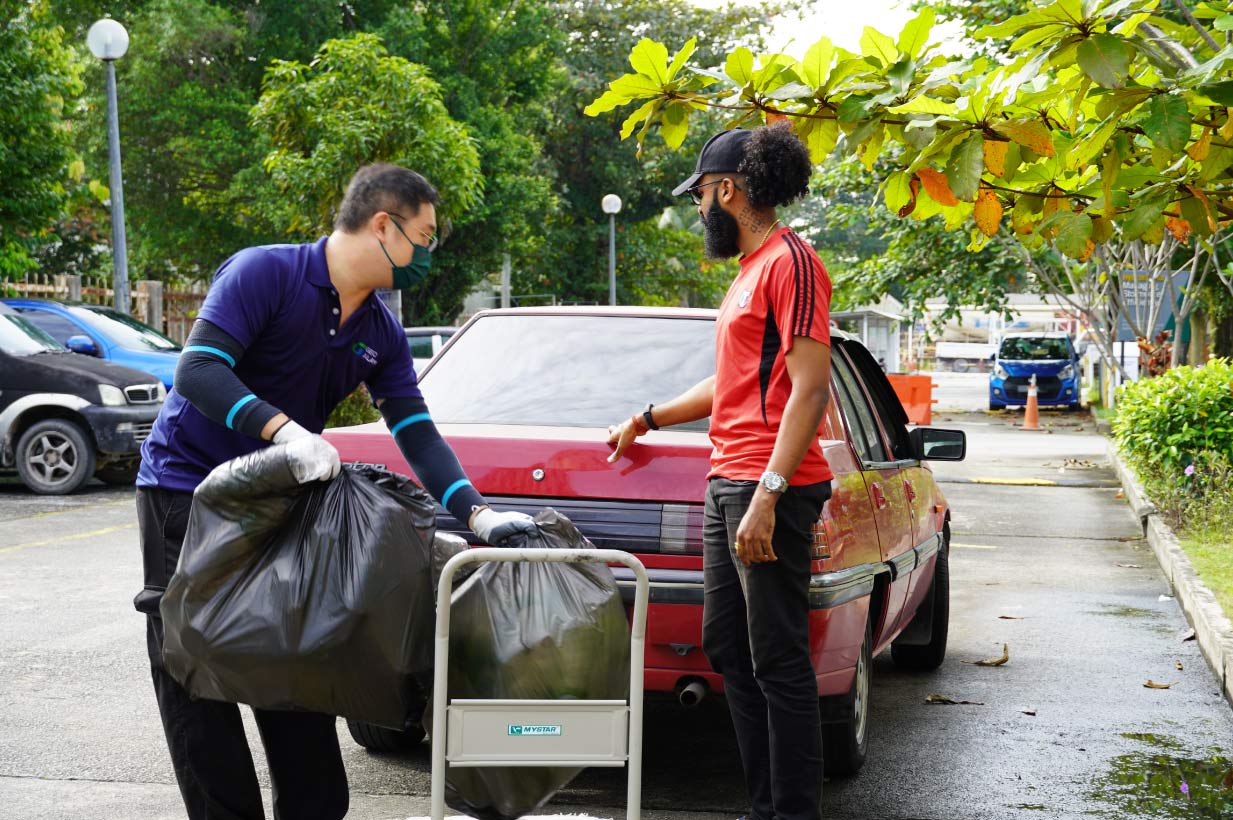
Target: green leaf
column 637, row 118
column 965, row 166
column 915, row 35
column 606, row 102
column 1168, row 123
column 1144, row 216
column 854, row 108
column 877, row 45
column 1219, row 158
column 1224, row 22
column 650, row 58
column 1014, row 25
column 901, row 75
column 681, row 57
column 675, row 125
column 791, row 91
column 1086, row 149
column 822, row 140
column 740, row 66
column 1030, row 133
column 1073, row 234
column 898, row 191
column 1220, row 93
column 1106, row 59
column 924, row 105
column 99, row 191
column 816, row 66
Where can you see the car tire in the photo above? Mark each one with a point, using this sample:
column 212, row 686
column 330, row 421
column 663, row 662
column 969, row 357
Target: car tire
column 928, row 657
column 55, row 457
column 118, row 473
column 845, row 727
column 993, row 405
column 385, row 740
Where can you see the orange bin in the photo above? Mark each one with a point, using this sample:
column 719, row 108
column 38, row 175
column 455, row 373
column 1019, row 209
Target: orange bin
column 915, row 394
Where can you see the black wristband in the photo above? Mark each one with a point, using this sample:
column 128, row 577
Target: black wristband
column 648, row 418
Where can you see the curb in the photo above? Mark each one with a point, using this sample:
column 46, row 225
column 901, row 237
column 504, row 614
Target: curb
column 1098, row 483
column 1213, row 630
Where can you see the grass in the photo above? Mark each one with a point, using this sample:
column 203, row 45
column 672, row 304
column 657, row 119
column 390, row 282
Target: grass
column 1211, row 552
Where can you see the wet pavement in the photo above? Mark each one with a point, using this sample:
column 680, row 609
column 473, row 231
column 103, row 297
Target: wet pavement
column 1056, row 573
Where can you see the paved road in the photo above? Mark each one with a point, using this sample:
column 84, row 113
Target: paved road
column 1057, row 573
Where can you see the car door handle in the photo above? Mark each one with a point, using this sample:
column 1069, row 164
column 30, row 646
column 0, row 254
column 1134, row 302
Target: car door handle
column 879, row 499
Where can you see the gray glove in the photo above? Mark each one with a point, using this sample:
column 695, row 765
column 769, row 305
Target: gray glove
column 311, row 457
column 494, row 527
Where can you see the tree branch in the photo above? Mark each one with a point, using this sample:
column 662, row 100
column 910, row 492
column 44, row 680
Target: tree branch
column 1196, row 25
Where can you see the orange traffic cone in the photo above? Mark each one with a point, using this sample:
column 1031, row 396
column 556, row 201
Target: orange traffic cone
column 1031, row 413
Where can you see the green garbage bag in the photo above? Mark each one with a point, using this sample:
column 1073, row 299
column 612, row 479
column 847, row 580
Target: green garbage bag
column 533, row 631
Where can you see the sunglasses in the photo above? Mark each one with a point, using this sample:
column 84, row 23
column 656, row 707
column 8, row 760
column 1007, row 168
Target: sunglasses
column 695, row 193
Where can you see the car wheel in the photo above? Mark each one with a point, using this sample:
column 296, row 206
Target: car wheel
column 382, row 739
column 118, row 473
column 845, row 732
column 993, row 405
column 54, row 457
column 927, row 657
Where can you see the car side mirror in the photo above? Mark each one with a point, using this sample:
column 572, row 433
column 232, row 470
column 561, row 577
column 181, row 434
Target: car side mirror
column 83, row 345
column 932, row 444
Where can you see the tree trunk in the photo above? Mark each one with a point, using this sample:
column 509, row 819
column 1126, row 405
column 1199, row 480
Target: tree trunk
column 1222, row 339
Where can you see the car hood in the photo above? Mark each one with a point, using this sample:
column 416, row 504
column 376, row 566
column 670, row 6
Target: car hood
column 76, row 369
column 162, row 365
column 1050, row 367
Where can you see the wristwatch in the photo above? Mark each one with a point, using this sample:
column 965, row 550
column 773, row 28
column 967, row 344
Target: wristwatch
column 773, row 482
column 649, row 419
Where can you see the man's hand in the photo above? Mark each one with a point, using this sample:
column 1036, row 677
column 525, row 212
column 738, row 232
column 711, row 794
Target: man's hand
column 494, row 527
column 753, row 536
column 622, row 435
column 311, row 457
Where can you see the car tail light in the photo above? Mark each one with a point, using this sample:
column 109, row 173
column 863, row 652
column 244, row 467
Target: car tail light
column 680, row 529
column 820, row 550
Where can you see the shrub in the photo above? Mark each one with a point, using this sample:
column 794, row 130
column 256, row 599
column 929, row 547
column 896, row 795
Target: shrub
column 1177, row 432
column 355, row 409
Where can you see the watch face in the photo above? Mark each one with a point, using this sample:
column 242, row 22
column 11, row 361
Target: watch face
column 773, row 482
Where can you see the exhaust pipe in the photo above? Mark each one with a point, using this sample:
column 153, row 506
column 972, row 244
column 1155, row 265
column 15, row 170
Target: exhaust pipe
column 691, row 691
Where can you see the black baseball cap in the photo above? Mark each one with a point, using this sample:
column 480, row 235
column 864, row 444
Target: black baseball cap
column 722, row 154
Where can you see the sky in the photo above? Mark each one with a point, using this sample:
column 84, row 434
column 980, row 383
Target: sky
column 841, row 20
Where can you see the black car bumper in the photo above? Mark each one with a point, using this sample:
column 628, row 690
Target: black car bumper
column 120, row 430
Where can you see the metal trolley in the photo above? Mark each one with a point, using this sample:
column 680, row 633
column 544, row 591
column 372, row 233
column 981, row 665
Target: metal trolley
column 566, row 732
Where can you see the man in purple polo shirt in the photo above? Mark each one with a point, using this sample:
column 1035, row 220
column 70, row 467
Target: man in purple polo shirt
column 285, row 334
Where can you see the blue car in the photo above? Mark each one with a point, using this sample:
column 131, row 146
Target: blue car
column 1050, row 357
column 103, row 332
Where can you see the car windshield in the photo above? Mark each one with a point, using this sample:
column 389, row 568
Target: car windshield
column 19, row 337
column 124, row 330
column 1034, row 348
column 571, row 371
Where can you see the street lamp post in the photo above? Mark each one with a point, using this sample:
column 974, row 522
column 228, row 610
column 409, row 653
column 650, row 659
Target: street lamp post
column 108, row 41
column 612, row 206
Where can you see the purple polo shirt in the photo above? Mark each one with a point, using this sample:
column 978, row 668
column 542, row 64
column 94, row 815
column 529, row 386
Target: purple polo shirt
column 278, row 302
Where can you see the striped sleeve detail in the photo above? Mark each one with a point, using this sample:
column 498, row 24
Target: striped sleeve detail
column 453, row 488
column 408, row 421
column 235, row 408
column 798, row 274
column 214, row 351
column 806, row 285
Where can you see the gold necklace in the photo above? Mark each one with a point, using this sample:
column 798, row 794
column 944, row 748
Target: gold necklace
column 767, row 235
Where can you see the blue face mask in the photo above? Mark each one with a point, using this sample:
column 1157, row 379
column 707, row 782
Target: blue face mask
column 415, row 271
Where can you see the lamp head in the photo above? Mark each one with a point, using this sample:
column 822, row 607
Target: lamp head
column 611, row 204
column 107, row 39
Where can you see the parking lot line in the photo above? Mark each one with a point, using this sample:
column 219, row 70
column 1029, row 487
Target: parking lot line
column 972, row 547
column 74, row 537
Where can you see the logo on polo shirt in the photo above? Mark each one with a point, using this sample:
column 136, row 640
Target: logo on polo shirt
column 745, row 294
column 364, row 352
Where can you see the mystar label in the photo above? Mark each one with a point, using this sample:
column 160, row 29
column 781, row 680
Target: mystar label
column 525, row 730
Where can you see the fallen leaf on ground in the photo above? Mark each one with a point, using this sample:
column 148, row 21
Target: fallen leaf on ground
column 1151, row 684
column 1179, row 667
column 1030, row 712
column 1129, row 566
column 1188, row 635
column 1009, row 618
column 951, row 701
column 993, row 661
column 1120, row 494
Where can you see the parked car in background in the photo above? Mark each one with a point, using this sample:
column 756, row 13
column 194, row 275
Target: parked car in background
column 63, row 417
column 105, row 333
column 1050, row 357
column 525, row 396
column 426, row 342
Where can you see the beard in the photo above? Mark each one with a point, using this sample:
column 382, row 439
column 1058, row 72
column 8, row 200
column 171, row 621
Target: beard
column 720, row 233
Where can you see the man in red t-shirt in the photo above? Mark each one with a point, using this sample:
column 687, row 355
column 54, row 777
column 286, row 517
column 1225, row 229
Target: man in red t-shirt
column 768, row 478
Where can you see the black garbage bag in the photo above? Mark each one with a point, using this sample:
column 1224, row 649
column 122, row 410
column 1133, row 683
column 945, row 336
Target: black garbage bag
column 314, row 597
column 530, row 631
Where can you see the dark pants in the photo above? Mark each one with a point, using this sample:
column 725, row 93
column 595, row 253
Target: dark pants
column 755, row 632
column 206, row 738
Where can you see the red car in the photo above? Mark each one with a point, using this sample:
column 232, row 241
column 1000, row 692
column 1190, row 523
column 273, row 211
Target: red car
column 525, row 397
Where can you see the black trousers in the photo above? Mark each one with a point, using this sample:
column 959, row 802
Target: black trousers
column 209, row 749
column 755, row 632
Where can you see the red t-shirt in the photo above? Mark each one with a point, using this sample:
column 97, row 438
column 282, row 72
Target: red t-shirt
column 782, row 292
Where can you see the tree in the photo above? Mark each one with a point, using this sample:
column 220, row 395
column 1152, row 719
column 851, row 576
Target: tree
column 39, row 78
